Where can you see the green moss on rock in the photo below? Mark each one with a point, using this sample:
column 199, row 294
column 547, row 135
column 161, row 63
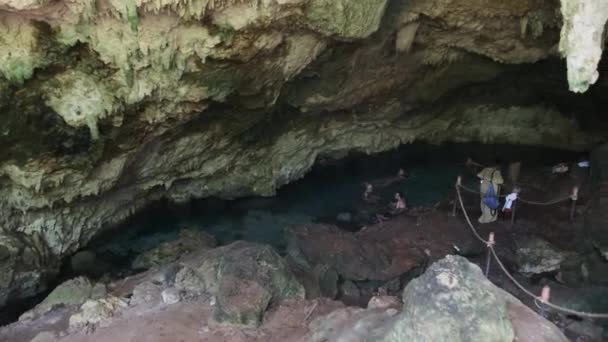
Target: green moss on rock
column 345, row 18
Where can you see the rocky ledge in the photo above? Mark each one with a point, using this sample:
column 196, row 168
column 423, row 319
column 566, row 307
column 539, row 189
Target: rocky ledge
column 200, row 300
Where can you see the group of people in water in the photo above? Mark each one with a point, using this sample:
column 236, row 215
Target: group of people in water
column 398, row 206
column 491, row 181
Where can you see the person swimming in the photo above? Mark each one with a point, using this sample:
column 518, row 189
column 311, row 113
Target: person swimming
column 395, row 208
column 369, row 195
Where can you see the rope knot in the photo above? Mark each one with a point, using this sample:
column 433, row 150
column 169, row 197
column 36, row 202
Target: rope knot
column 574, row 195
column 491, row 242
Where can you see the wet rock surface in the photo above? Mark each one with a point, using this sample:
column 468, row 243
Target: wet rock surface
column 383, row 251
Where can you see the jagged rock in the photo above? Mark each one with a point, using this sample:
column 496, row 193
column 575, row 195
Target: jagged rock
column 96, row 313
column 243, row 277
column 188, row 241
column 451, row 301
column 535, row 256
column 73, row 292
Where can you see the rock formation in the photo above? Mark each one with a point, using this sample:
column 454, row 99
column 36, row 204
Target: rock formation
column 582, row 40
column 109, row 105
column 452, row 301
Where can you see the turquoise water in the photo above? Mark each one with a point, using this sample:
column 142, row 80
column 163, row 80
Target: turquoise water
column 327, row 191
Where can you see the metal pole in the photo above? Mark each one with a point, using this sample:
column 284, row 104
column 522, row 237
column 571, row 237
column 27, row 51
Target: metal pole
column 574, row 198
column 489, row 256
column 514, row 205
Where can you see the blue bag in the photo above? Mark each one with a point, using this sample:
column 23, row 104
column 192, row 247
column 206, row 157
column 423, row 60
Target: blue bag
column 490, row 199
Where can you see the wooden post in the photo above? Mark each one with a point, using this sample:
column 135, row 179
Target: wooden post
column 574, row 198
column 544, row 299
column 458, row 184
column 514, row 207
column 490, row 244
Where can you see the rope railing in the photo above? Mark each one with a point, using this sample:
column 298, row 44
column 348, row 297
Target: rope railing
column 544, row 297
column 531, row 202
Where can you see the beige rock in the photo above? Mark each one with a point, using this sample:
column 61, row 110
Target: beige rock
column 96, row 313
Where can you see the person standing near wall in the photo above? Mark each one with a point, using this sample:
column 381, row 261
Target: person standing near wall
column 490, row 177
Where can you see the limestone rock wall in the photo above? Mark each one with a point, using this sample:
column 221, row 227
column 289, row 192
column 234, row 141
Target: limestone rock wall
column 583, row 39
column 108, row 105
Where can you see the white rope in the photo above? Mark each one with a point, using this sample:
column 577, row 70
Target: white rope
column 512, row 278
column 556, row 201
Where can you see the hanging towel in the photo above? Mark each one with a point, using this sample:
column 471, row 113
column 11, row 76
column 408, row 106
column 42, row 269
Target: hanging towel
column 509, row 201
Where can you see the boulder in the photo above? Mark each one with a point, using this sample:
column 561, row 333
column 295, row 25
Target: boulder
column 353, row 257
column 535, row 256
column 381, row 252
column 243, row 277
column 188, row 241
column 451, row 301
column 96, row 313
column 73, row 292
column 454, row 301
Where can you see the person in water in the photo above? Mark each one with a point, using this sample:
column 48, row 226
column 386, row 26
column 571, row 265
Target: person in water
column 369, row 195
column 395, row 208
column 489, row 177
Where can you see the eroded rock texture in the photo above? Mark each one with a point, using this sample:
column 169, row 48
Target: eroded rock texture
column 108, row 105
column 451, row 301
column 583, row 40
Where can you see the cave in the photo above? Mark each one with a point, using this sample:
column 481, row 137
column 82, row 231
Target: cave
column 164, row 160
